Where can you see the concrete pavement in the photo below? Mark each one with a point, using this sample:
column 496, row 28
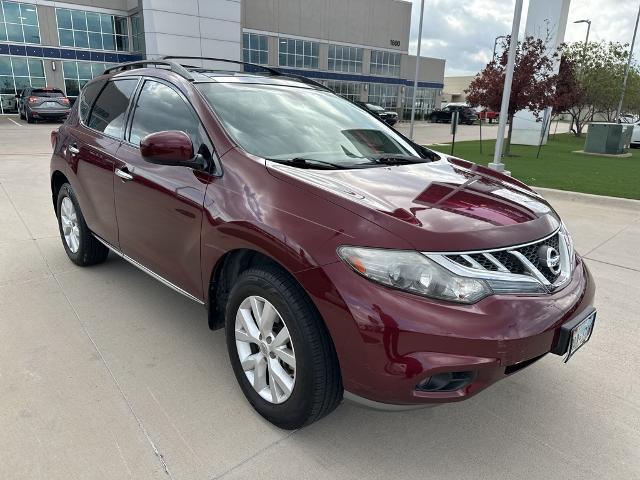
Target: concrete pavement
column 107, row 374
column 426, row 133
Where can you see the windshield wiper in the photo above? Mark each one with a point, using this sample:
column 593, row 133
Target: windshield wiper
column 396, row 159
column 302, row 162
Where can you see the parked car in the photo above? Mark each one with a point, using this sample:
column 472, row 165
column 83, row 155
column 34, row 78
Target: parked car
column 635, row 135
column 42, row 103
column 488, row 114
column 388, row 116
column 342, row 258
column 465, row 114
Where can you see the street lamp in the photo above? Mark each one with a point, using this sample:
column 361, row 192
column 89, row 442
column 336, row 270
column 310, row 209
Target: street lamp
column 626, row 71
column 506, row 91
column 586, row 40
column 495, row 44
column 417, row 74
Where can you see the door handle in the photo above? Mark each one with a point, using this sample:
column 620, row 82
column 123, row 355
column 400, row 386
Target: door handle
column 73, row 149
column 124, row 174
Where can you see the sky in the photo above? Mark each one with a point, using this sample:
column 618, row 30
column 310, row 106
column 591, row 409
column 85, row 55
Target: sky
column 463, row 31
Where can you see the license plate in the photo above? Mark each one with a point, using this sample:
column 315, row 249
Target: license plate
column 51, row 105
column 580, row 335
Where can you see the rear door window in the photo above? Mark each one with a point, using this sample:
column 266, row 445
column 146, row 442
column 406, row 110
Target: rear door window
column 109, row 113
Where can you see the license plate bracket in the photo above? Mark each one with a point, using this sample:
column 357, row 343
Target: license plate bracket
column 575, row 333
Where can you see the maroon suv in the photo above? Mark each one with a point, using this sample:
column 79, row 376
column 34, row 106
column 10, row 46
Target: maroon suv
column 343, row 259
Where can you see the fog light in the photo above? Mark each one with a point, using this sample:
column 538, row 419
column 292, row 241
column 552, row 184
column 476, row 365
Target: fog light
column 445, row 382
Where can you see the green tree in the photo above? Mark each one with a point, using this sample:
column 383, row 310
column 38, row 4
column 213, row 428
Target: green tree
column 599, row 71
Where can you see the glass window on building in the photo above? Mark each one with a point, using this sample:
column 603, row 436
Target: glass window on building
column 19, row 23
column 349, row 90
column 425, row 102
column 345, row 59
column 137, row 33
column 255, row 48
column 98, row 31
column 384, row 95
column 77, row 74
column 17, row 73
column 298, row 53
column 385, row 63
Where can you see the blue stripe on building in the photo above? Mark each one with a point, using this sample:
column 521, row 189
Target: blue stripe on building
column 66, row 53
column 350, row 77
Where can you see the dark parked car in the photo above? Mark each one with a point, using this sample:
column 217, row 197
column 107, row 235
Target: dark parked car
column 465, row 114
column 42, row 103
column 388, row 116
column 342, row 258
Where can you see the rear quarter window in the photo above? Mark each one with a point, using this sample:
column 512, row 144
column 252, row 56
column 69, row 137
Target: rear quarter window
column 87, row 97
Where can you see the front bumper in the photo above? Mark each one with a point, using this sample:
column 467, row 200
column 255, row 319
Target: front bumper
column 389, row 342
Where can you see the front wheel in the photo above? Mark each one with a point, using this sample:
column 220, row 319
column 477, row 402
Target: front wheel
column 280, row 350
column 81, row 246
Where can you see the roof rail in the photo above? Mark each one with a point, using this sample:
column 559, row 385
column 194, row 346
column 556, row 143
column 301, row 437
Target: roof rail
column 174, row 67
column 308, row 81
column 273, row 71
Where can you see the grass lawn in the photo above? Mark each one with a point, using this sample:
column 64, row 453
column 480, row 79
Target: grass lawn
column 559, row 168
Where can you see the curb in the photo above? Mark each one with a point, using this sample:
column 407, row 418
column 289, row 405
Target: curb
column 577, row 196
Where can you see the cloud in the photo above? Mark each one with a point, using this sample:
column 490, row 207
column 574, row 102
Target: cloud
column 463, row 31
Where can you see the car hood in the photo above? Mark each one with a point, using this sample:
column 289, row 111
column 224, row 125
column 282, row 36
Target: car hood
column 446, row 205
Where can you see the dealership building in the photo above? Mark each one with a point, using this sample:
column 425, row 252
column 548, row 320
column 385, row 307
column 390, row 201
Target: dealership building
column 359, row 48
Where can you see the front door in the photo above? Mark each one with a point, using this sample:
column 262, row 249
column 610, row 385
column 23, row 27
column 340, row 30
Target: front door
column 159, row 208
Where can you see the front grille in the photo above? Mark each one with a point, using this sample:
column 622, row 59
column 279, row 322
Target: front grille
column 529, row 260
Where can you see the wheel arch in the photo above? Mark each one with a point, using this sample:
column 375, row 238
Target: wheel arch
column 224, row 273
column 57, row 180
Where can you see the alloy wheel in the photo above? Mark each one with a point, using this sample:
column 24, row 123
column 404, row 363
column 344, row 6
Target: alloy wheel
column 265, row 349
column 70, row 227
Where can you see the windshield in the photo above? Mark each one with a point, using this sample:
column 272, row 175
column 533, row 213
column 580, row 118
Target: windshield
column 286, row 123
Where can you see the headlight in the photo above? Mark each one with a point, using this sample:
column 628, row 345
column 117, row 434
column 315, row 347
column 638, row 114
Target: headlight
column 413, row 272
column 569, row 243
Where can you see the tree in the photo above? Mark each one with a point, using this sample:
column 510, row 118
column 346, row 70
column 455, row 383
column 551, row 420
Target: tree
column 570, row 96
column 599, row 71
column 532, row 86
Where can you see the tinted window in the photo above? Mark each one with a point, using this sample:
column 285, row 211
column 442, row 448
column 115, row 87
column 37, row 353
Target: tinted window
column 161, row 108
column 87, row 97
column 52, row 92
column 109, row 112
column 287, row 122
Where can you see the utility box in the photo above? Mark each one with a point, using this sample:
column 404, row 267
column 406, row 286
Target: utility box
column 608, row 138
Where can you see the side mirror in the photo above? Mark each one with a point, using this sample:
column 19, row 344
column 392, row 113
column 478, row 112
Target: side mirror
column 170, row 147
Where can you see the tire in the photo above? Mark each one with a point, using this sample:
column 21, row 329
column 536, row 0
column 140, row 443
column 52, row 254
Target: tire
column 317, row 385
column 87, row 250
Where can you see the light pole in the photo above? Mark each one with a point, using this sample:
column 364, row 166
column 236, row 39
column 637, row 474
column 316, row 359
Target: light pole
column 495, row 44
column 415, row 80
column 626, row 70
column 506, row 91
column 586, row 40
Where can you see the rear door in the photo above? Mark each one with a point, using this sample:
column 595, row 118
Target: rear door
column 92, row 142
column 159, row 207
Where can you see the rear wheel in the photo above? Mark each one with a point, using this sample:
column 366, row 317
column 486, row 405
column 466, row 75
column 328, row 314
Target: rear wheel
column 280, row 350
column 81, row 246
